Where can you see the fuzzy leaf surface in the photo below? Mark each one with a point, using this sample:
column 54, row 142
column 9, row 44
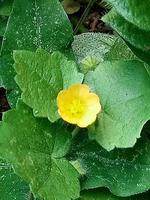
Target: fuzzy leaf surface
column 92, row 44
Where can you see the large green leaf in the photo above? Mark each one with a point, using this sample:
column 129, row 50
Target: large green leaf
column 31, row 25
column 37, row 24
column 36, row 148
column 128, row 31
column 5, row 7
column 124, row 91
column 134, row 27
column 134, row 11
column 102, row 194
column 11, row 186
column 41, row 76
column 143, row 55
column 124, row 171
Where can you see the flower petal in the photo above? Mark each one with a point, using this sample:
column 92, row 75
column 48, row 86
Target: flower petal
column 87, row 120
column 78, row 105
column 79, row 90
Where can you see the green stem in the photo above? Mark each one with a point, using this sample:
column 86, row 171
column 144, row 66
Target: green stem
column 31, row 197
column 90, row 4
column 75, row 131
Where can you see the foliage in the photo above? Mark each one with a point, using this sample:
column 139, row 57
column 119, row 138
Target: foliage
column 131, row 20
column 119, row 170
column 39, row 58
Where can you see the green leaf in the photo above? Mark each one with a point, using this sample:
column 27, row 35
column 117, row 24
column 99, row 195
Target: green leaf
column 31, row 25
column 103, row 194
column 0, row 41
column 119, row 51
column 124, row 91
column 94, row 45
column 143, row 55
column 131, row 25
column 98, row 195
column 128, row 31
column 41, row 76
column 45, row 25
column 11, row 186
column 124, row 171
column 36, row 148
column 3, row 23
column 136, row 12
column 5, row 7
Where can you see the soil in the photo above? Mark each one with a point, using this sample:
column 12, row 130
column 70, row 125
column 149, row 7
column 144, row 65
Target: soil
column 92, row 22
column 4, row 106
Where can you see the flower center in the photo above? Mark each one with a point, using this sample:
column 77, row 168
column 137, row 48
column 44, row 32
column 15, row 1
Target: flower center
column 76, row 107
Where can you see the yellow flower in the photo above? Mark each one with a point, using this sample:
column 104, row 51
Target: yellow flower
column 78, row 105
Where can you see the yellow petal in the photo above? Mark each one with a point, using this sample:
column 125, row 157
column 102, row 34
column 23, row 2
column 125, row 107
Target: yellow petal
column 79, row 90
column 93, row 103
column 87, row 120
column 78, row 105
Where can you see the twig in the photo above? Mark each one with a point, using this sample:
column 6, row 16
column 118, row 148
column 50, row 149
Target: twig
column 90, row 4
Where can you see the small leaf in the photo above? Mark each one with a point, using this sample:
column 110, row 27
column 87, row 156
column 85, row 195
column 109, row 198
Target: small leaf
column 124, row 91
column 124, row 171
column 92, row 45
column 29, row 143
column 41, row 76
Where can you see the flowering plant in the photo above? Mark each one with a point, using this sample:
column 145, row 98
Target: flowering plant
column 80, row 105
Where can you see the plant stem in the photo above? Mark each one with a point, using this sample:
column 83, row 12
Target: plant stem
column 90, row 4
column 31, row 197
column 75, row 131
